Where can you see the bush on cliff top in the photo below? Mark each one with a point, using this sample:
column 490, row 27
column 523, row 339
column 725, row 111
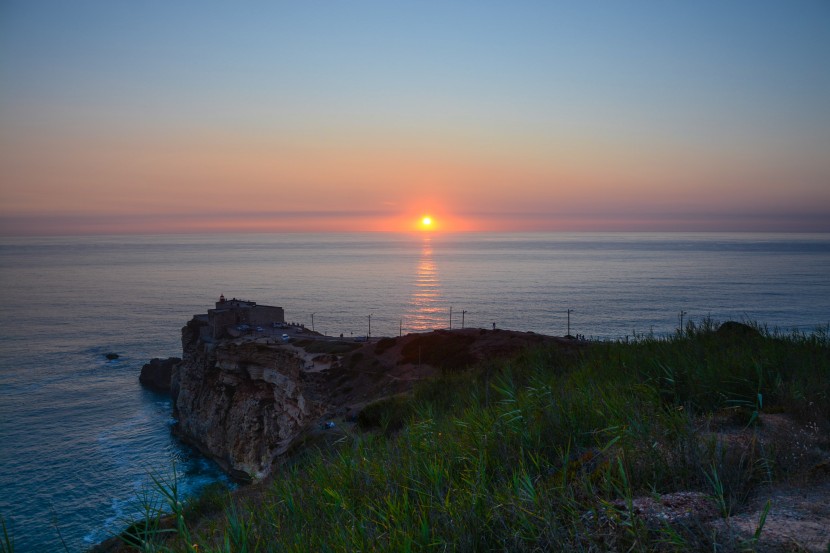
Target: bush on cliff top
column 440, row 349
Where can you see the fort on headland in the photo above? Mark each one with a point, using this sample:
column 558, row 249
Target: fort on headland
column 230, row 317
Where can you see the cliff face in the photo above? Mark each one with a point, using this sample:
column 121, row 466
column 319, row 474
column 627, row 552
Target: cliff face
column 243, row 404
column 157, row 373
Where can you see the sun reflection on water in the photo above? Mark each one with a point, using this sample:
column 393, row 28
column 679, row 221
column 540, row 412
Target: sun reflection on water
column 425, row 311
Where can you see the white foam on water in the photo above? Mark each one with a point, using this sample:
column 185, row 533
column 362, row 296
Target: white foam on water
column 110, row 525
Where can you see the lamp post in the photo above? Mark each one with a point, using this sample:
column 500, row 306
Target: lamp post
column 369, row 334
column 463, row 312
column 681, row 321
column 569, row 321
column 312, row 322
column 451, row 317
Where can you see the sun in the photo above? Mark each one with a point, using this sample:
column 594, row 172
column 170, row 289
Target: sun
column 425, row 223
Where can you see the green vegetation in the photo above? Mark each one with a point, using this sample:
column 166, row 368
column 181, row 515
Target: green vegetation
column 389, row 414
column 549, row 452
column 6, row 540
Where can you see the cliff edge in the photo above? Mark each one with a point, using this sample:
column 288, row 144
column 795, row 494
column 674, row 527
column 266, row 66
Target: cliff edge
column 241, row 403
column 246, row 401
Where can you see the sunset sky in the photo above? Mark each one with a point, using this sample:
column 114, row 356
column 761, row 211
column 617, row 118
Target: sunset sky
column 181, row 116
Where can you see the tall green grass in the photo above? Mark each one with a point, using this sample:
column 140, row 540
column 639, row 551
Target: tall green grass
column 543, row 453
column 7, row 539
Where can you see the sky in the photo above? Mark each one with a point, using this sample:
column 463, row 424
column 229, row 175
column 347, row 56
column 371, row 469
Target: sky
column 158, row 116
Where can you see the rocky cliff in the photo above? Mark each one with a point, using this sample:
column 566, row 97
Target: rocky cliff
column 157, row 373
column 247, row 401
column 241, row 403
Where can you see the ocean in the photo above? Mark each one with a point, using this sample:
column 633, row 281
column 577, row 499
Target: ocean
column 80, row 440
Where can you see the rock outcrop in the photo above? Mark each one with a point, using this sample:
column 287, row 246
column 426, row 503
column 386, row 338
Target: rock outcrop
column 247, row 401
column 157, row 373
column 240, row 403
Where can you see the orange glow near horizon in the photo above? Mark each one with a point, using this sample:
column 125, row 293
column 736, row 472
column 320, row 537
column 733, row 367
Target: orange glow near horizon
column 437, row 219
column 181, row 184
column 380, row 134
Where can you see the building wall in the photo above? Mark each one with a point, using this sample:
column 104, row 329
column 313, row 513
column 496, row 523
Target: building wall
column 265, row 315
column 222, row 318
column 243, row 313
column 234, row 303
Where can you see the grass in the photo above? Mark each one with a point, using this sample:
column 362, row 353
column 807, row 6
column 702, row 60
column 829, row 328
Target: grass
column 544, row 453
column 7, row 539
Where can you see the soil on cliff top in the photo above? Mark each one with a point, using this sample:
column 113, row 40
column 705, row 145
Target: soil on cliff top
column 391, row 366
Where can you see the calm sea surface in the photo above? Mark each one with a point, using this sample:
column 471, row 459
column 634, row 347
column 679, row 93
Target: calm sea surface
column 79, row 438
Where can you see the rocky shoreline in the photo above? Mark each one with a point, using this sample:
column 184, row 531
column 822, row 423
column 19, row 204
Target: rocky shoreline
column 157, row 374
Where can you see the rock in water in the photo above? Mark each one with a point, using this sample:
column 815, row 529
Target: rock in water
column 157, row 373
column 111, row 356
